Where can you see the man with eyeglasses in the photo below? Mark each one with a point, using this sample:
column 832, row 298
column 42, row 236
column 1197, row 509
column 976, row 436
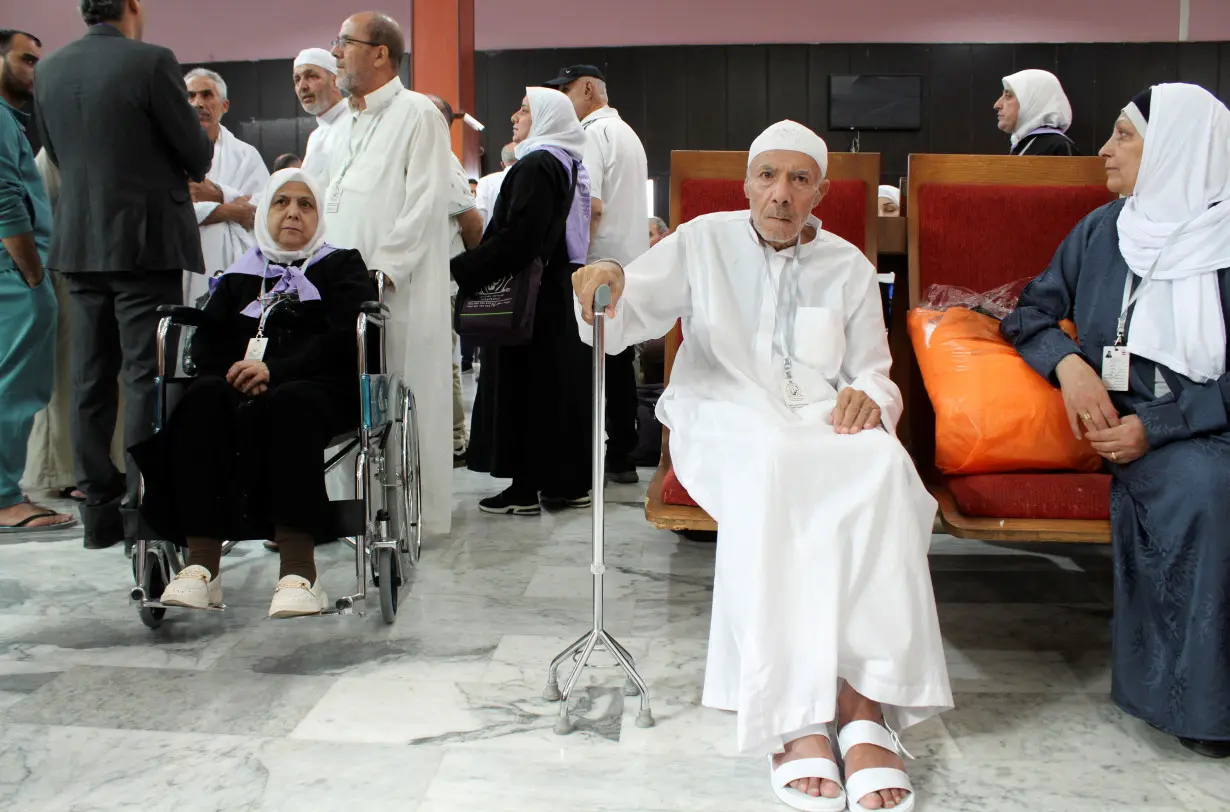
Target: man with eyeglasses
column 387, row 197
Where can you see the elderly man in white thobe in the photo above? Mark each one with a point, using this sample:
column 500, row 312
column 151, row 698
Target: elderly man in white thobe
column 489, row 185
column 315, row 75
column 782, row 415
column 387, row 190
column 223, row 202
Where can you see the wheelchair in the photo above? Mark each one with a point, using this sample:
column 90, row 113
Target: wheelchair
column 383, row 524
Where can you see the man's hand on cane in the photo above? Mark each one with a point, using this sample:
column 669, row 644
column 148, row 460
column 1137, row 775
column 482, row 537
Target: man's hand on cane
column 587, row 280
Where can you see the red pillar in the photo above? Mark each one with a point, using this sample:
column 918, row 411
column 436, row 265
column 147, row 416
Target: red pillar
column 442, row 54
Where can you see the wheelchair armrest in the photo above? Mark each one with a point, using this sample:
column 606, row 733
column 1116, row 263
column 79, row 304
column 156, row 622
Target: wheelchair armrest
column 180, row 314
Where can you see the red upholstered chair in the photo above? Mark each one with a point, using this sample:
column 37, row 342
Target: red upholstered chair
column 980, row 222
column 704, row 182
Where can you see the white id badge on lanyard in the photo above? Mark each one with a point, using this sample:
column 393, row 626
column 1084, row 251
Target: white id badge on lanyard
column 334, row 199
column 256, row 349
column 1116, row 364
column 793, row 393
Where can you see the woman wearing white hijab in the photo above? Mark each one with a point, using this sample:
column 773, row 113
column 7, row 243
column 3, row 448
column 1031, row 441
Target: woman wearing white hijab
column 242, row 455
column 1036, row 112
column 1147, row 281
column 531, row 419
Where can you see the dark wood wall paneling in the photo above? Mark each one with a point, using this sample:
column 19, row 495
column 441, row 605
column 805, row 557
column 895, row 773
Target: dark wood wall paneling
column 722, row 96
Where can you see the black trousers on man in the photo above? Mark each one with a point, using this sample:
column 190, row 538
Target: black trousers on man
column 621, row 411
column 114, row 318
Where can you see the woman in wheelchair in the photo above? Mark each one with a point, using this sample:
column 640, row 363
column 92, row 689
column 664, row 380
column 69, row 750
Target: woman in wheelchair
column 242, row 454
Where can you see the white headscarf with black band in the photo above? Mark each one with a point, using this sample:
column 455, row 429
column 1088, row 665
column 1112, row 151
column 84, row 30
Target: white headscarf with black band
column 553, row 123
column 1042, row 102
column 1173, row 219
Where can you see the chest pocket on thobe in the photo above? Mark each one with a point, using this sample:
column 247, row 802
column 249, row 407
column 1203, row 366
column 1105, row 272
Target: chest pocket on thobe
column 819, row 346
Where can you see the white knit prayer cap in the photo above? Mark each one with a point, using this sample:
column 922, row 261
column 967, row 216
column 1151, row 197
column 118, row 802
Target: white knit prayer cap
column 792, row 136
column 318, row 57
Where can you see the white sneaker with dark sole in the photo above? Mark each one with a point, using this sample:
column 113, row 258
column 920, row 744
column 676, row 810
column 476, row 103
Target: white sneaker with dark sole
column 193, row 589
column 295, row 597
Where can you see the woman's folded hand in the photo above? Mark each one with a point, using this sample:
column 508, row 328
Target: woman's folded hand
column 249, row 377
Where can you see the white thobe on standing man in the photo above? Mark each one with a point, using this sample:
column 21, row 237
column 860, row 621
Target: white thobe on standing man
column 821, row 582
column 386, row 198
column 225, row 208
column 315, row 74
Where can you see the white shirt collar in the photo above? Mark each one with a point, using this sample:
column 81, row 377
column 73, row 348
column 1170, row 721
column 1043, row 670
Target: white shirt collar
column 600, row 113
column 331, row 115
column 377, row 100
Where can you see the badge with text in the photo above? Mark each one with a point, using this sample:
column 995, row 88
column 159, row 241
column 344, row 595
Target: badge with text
column 794, row 394
column 334, row 203
column 1116, row 364
column 256, row 349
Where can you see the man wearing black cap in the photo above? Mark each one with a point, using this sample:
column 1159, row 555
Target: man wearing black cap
column 618, row 172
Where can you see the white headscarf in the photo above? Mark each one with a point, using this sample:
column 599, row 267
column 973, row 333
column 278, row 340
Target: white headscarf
column 1184, row 171
column 1043, row 102
column 892, row 193
column 794, row 137
column 553, row 123
column 264, row 240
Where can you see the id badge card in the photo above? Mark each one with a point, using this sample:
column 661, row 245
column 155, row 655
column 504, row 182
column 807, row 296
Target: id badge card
column 793, row 393
column 1116, row 364
column 334, row 201
column 256, row 349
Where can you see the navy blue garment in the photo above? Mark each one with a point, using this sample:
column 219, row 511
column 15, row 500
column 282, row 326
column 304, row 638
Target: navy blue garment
column 1170, row 510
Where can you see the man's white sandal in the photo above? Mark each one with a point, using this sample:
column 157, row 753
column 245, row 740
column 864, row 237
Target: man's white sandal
column 874, row 779
column 782, row 777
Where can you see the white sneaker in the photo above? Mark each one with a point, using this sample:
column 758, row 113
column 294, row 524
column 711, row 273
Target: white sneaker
column 192, row 588
column 294, row 597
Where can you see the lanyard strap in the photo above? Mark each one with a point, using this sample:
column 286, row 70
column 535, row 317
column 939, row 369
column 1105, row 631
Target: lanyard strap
column 783, row 328
column 356, row 151
column 1129, row 298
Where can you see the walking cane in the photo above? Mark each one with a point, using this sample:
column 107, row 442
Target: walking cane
column 584, row 647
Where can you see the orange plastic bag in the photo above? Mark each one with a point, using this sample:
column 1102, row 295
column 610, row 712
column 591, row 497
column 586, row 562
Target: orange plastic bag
column 993, row 413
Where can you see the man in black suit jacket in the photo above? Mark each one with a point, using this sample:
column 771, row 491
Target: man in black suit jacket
column 114, row 117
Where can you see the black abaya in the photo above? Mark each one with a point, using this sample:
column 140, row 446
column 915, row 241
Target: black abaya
column 229, row 466
column 532, row 414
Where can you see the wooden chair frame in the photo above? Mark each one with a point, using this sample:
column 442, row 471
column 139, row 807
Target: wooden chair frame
column 690, row 165
column 982, row 170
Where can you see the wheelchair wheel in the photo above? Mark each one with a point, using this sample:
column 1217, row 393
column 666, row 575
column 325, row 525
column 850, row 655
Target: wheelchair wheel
column 153, row 584
column 388, row 582
column 410, row 503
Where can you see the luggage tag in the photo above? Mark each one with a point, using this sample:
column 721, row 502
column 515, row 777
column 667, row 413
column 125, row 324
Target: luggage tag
column 256, row 349
column 1116, row 365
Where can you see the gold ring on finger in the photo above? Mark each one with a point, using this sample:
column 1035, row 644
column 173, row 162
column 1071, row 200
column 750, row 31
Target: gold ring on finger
column 1114, row 456
column 1086, row 417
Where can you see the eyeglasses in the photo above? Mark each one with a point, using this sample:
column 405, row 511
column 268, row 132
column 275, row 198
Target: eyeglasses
column 342, row 42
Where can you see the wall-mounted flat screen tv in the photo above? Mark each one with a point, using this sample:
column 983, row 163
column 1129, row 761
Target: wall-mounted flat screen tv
column 875, row 102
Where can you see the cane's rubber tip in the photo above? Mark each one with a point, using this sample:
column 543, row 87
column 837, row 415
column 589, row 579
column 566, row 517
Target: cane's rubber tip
column 630, row 689
column 552, row 693
column 563, row 726
column 644, row 718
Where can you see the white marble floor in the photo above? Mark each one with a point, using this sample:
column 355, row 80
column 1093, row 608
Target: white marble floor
column 441, row 712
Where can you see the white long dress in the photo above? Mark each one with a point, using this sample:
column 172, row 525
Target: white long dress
column 393, row 209
column 239, row 171
column 822, row 544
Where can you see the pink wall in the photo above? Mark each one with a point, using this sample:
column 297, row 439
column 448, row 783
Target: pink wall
column 256, row 29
